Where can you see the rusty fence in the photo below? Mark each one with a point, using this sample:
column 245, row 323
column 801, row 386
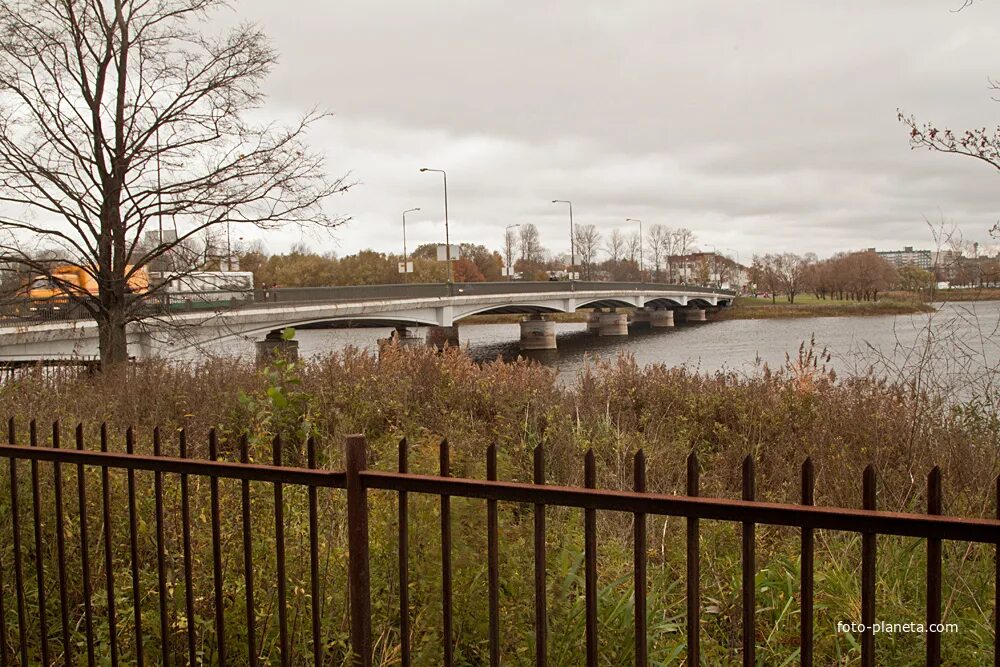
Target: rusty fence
column 50, row 643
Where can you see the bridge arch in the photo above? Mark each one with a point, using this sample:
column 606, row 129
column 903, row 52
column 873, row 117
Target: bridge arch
column 666, row 302
column 623, row 302
column 509, row 309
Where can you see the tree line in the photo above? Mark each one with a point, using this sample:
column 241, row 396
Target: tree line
column 858, row 276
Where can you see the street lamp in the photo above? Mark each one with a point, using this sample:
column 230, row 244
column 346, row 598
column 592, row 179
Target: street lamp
column 640, row 242
column 572, row 246
column 409, row 210
column 447, row 238
column 506, row 240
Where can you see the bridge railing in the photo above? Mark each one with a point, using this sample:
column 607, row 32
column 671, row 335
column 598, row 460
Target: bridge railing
column 102, row 607
column 16, row 311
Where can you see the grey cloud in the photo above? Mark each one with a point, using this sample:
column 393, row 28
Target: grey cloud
column 759, row 125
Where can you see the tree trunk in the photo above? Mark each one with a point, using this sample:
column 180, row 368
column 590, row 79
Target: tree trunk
column 113, row 341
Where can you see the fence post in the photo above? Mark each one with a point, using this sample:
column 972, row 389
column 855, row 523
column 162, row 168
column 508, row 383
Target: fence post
column 356, row 457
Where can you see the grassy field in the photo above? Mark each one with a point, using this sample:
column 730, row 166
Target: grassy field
column 807, row 305
column 958, row 294
column 780, row 416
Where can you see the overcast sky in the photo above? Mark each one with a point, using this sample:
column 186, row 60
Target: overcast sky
column 761, row 126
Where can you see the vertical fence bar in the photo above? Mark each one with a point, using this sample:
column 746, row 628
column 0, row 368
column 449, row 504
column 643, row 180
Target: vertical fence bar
column 590, row 560
column 109, row 563
column 4, row 656
column 868, row 576
column 356, row 460
column 133, row 525
column 279, row 546
column 188, row 573
column 639, row 559
column 996, row 588
column 693, row 570
column 749, row 570
column 220, row 610
column 161, row 556
column 88, row 593
column 314, row 557
column 933, row 573
column 493, row 559
column 447, row 636
column 248, row 557
column 404, row 561
column 806, row 584
column 541, row 627
column 15, row 513
column 61, row 550
column 36, row 510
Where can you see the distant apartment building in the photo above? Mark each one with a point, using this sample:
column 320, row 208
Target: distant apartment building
column 907, row 257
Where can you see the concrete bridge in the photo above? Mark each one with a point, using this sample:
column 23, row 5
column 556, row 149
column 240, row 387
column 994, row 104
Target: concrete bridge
column 437, row 306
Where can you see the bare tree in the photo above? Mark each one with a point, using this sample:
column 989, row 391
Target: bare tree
column 588, row 241
column 118, row 115
column 615, row 246
column 633, row 245
column 510, row 245
column 530, row 245
column 655, row 245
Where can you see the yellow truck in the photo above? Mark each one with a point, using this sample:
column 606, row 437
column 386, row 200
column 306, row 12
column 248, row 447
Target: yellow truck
column 52, row 292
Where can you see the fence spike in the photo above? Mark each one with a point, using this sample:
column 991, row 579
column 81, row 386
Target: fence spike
column 493, row 560
column 541, row 614
column 749, row 575
column 693, row 569
column 356, row 459
column 403, row 511
column 933, row 572
column 639, row 544
column 868, row 548
column 590, row 560
column 806, row 569
column 447, row 635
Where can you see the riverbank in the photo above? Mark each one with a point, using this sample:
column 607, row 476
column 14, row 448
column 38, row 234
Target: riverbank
column 749, row 308
column 780, row 417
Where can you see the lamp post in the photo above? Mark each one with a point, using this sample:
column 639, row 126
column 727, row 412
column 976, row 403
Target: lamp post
column 409, row 210
column 640, row 243
column 572, row 246
column 447, row 238
column 506, row 240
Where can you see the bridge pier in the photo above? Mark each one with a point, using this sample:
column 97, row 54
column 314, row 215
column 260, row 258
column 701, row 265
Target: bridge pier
column 440, row 337
column 274, row 345
column 537, row 333
column 641, row 317
column 613, row 323
column 694, row 314
column 402, row 337
column 661, row 318
column 594, row 321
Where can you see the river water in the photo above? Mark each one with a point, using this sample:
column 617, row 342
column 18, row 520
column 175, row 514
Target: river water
column 959, row 338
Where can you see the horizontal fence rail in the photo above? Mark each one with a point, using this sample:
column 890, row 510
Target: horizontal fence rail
column 99, row 599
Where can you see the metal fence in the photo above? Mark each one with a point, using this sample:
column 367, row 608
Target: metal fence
column 54, row 646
